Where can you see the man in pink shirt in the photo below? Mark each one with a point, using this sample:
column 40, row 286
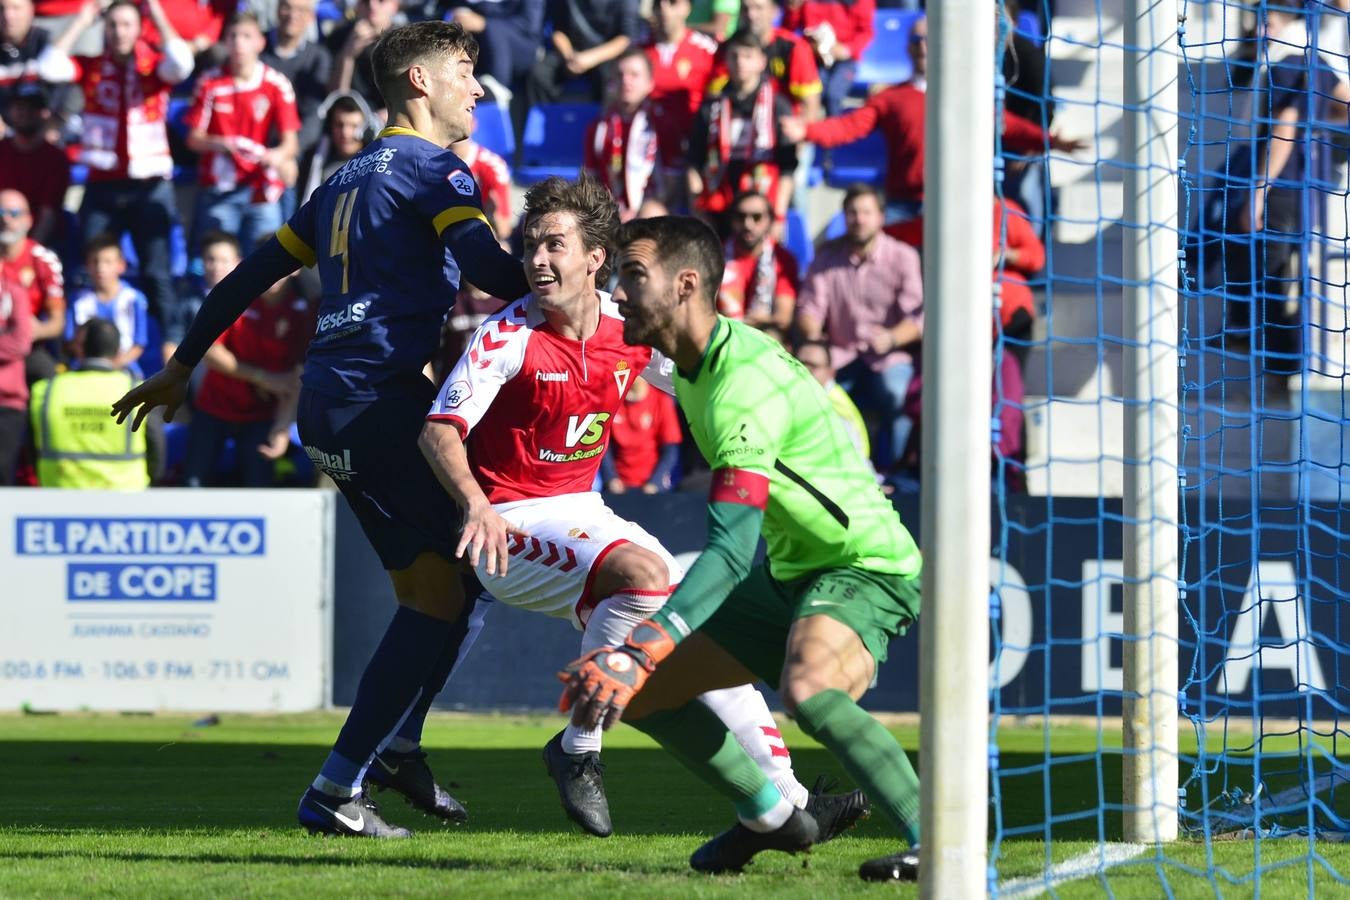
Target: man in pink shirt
column 864, row 295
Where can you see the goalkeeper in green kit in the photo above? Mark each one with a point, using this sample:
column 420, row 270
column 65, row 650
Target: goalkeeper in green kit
column 841, row 577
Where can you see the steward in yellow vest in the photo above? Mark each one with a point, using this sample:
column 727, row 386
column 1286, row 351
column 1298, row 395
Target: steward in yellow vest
column 79, row 445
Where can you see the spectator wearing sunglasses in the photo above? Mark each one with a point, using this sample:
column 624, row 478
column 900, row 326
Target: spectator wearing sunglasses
column 759, row 284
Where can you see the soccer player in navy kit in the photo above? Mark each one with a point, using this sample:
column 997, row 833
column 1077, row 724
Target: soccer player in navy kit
column 391, row 234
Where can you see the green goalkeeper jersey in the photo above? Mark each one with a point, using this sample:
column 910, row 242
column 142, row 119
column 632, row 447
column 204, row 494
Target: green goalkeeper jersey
column 752, row 406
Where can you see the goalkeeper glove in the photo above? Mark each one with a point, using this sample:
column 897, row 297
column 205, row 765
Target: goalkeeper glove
column 602, row 683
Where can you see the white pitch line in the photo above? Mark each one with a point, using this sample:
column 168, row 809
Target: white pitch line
column 1093, row 862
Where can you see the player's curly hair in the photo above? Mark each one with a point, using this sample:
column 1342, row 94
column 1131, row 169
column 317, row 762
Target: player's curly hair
column 399, row 49
column 590, row 202
column 682, row 242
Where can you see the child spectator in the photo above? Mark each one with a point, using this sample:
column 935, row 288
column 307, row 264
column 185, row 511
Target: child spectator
column 250, row 389
column 235, row 111
column 736, row 144
column 815, row 355
column 111, row 298
column 759, row 284
column 220, row 254
column 644, row 442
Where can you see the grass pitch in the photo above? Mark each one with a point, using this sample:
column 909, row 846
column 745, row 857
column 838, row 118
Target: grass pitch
column 156, row 807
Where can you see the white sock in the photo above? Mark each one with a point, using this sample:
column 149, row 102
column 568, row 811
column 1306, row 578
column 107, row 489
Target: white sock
column 744, row 712
column 608, row 626
column 581, row 740
column 771, row 820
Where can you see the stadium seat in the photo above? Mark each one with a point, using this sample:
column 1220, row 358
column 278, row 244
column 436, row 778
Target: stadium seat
column 552, row 141
column 330, row 11
column 835, row 227
column 886, row 60
column 797, row 239
column 863, row 160
column 493, row 130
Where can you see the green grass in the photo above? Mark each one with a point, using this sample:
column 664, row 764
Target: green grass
column 154, row 807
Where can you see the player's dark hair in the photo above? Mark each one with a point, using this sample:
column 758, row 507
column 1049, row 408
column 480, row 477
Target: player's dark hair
column 116, row 4
column 243, row 17
column 803, row 343
column 589, row 202
column 211, row 238
column 101, row 339
column 863, row 189
column 682, row 242
column 100, row 242
column 403, row 47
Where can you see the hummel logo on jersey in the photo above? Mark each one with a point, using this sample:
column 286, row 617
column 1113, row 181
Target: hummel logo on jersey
column 354, row 824
column 337, row 466
column 550, row 376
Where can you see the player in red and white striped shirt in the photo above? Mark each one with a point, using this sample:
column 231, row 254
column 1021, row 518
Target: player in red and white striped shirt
column 516, row 435
column 235, row 110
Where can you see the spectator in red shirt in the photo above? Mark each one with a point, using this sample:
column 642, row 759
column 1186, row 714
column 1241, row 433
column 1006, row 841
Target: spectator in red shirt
column 791, row 63
column 759, row 284
column 31, row 164
column 31, row 273
column 736, row 144
column 838, row 31
column 125, row 140
column 16, row 339
column 629, row 147
column 682, row 62
column 198, row 22
column 235, row 111
column 644, row 442
column 899, row 114
column 250, row 388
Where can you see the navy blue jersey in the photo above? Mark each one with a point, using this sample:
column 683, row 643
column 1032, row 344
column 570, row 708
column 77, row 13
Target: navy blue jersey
column 374, row 231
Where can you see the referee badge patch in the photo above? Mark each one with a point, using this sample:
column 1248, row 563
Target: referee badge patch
column 462, row 182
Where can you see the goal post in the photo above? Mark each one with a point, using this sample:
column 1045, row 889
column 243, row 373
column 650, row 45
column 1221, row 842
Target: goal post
column 957, row 376
column 1151, row 484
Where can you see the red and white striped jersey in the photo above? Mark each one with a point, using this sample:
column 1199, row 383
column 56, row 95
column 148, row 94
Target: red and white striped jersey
column 535, row 408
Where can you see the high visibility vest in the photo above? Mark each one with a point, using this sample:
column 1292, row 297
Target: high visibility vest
column 79, row 445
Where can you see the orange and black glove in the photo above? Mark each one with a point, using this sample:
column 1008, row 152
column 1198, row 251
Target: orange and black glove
column 599, row 685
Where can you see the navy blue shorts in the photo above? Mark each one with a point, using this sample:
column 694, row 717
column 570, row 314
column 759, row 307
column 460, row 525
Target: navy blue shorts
column 370, row 450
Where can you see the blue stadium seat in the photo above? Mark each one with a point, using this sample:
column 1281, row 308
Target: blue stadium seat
column 330, row 11
column 797, row 239
column 152, row 358
column 552, row 141
column 886, row 60
column 79, row 173
column 863, row 160
column 176, row 115
column 178, row 255
column 493, row 130
column 835, row 227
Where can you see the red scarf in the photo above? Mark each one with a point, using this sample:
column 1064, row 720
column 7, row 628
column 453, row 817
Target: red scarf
column 730, row 175
column 123, row 122
column 628, row 153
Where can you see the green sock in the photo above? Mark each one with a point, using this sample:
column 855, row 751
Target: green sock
column 869, row 752
column 697, row 738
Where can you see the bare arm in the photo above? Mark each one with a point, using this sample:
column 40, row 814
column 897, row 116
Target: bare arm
column 809, row 326
column 1278, row 150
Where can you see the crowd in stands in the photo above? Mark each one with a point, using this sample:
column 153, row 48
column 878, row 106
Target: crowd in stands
column 112, row 114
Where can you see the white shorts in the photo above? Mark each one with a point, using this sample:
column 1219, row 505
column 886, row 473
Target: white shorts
column 553, row 569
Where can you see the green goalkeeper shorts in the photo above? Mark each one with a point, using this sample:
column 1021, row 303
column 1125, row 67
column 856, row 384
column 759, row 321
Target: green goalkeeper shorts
column 753, row 624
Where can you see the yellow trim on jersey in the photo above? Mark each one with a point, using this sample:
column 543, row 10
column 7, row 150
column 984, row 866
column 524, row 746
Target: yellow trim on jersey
column 456, row 214
column 296, row 246
column 396, row 130
column 805, row 90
